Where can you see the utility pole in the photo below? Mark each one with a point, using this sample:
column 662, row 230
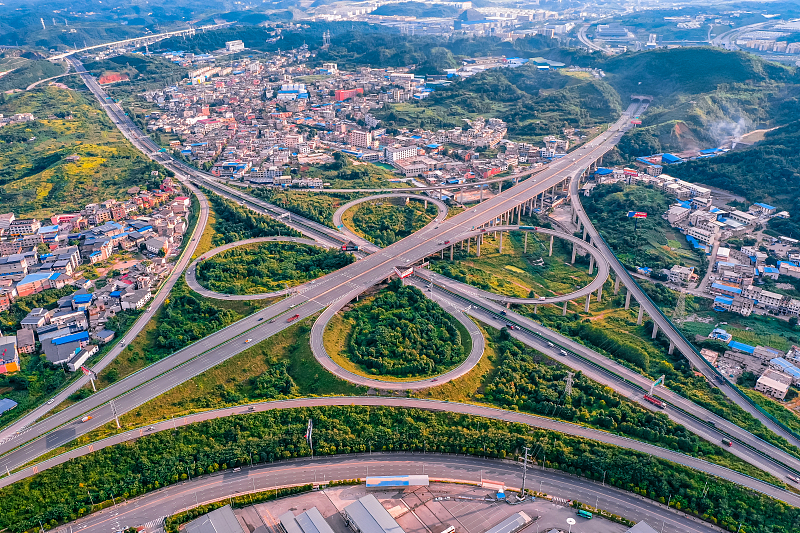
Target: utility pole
column 309, row 429
column 568, row 387
column 114, row 412
column 524, row 470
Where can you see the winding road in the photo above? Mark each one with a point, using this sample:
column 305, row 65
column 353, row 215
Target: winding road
column 361, row 241
column 191, row 272
column 330, row 291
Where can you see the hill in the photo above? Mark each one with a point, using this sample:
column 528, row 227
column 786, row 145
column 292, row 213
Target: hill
column 768, row 171
column 703, row 96
column 37, row 180
column 21, row 72
column 416, row 9
column 534, row 103
column 144, row 72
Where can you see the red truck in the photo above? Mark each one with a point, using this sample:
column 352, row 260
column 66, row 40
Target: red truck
column 293, row 318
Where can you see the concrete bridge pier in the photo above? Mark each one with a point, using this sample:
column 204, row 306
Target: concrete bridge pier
column 564, row 309
column 551, row 246
column 500, row 247
column 481, row 200
column 628, row 300
column 600, row 293
column 574, row 252
column 478, row 244
column 641, row 315
column 499, row 187
column 671, row 348
column 655, row 330
column 426, row 204
column 535, row 309
column 616, row 286
column 519, row 214
column 591, row 264
column 588, row 300
column 451, row 252
column 585, row 232
column 525, row 250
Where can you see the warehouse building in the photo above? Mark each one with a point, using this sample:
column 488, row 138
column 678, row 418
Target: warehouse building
column 397, row 482
column 513, row 523
column 310, row 521
column 367, row 515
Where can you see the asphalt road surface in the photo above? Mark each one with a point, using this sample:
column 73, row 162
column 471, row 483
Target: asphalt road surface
column 191, row 272
column 666, row 327
column 206, row 489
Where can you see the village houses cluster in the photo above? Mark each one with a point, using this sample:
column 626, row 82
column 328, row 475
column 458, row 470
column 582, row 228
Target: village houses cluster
column 254, row 120
column 37, row 255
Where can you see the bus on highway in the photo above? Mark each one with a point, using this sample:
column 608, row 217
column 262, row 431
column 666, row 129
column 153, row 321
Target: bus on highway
column 584, row 514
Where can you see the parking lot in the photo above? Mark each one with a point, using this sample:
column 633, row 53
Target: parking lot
column 467, row 508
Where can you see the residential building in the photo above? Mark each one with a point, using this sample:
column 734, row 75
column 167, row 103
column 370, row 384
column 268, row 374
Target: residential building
column 136, row 299
column 361, row 138
column 234, row 46
column 396, row 153
column 26, row 341
column 773, row 383
column 9, row 357
column 26, row 226
column 681, row 274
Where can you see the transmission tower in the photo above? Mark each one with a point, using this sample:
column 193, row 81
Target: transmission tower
column 568, row 388
column 679, row 313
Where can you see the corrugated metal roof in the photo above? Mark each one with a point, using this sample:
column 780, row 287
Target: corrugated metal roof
column 370, row 517
column 512, row 523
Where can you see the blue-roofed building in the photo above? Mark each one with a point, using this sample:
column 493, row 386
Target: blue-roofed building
column 741, row 347
column 782, row 365
column 722, row 303
column 669, row 159
column 80, row 337
column 7, row 404
column 726, row 290
column 771, row 272
column 374, row 482
column 764, row 209
column 720, row 334
column 711, row 151
column 81, row 302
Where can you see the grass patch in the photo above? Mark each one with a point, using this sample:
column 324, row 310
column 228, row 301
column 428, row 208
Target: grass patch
column 384, row 222
column 268, row 267
column 388, row 356
column 515, row 272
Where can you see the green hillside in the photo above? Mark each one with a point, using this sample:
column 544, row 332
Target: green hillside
column 35, row 177
column 768, row 171
column 21, row 72
column 702, row 96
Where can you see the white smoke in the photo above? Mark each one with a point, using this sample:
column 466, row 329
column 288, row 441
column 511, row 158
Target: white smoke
column 723, row 131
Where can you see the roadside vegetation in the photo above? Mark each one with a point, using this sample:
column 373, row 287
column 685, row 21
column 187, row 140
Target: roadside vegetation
column 612, row 331
column 66, row 492
column 315, row 206
column 383, row 222
column 515, row 272
column 36, row 180
column 20, row 71
column 143, row 72
column 268, row 267
column 400, row 333
column 654, row 244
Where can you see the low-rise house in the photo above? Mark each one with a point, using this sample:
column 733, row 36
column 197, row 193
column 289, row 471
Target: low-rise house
column 136, row 299
column 9, row 357
column 773, row 383
column 26, row 341
column 35, row 319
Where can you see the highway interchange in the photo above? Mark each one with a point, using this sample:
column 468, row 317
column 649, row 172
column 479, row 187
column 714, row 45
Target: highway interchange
column 336, row 289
